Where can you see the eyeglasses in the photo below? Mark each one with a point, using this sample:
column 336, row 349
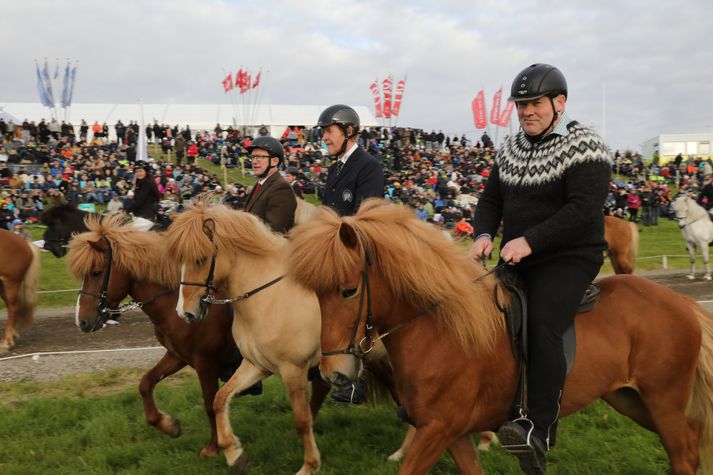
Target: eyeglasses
column 261, row 157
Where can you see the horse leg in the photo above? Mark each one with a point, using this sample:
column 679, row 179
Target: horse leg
column 487, row 438
column 295, row 380
column 166, row 366
column 704, row 251
column 692, row 259
column 405, row 445
column 320, row 389
column 627, row 401
column 10, row 293
column 429, row 443
column 208, row 376
column 465, row 456
column 246, row 375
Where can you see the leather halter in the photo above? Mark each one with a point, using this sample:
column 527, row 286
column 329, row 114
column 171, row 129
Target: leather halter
column 208, row 297
column 104, row 308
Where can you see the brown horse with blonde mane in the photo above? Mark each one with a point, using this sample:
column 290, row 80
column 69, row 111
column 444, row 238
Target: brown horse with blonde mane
column 644, row 349
column 138, row 266
column 19, row 274
column 622, row 244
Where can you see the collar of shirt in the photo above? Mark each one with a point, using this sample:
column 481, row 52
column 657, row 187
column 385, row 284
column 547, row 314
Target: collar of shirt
column 561, row 128
column 348, row 154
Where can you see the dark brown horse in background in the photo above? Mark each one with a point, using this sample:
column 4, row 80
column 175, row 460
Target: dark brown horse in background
column 644, row 349
column 623, row 244
column 19, row 274
column 62, row 222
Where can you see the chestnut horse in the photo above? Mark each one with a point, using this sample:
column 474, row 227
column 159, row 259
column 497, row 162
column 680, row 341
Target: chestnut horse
column 19, row 273
column 622, row 244
column 644, row 349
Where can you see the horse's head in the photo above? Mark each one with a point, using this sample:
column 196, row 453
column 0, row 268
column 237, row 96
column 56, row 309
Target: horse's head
column 203, row 270
column 348, row 306
column 56, row 238
column 104, row 286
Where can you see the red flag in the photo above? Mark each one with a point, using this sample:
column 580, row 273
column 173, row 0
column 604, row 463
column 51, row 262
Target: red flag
column 398, row 97
column 228, row 83
column 246, row 83
column 386, row 87
column 377, row 99
column 495, row 111
column 257, row 80
column 239, row 78
column 479, row 116
column 506, row 114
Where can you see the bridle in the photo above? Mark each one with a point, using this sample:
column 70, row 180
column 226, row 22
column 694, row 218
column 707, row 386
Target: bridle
column 367, row 343
column 682, row 219
column 104, row 308
column 209, row 297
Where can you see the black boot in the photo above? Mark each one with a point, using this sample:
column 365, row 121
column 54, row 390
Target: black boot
column 517, row 438
column 356, row 394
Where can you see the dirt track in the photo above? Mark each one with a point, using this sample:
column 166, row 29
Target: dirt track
column 54, row 331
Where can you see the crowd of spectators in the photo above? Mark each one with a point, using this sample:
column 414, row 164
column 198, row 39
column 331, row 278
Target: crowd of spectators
column 440, row 175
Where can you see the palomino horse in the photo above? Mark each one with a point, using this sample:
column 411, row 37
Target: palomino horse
column 62, row 221
column 276, row 322
column 644, row 349
column 622, row 244
column 115, row 260
column 697, row 230
column 19, row 274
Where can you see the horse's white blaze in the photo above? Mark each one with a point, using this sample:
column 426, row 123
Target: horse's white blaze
column 179, row 305
column 76, row 307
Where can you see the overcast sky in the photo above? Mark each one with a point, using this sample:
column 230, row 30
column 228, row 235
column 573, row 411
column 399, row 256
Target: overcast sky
column 655, row 57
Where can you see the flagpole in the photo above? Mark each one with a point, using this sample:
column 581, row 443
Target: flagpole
column 232, row 98
column 604, row 111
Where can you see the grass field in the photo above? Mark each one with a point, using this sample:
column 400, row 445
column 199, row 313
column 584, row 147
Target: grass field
column 94, row 425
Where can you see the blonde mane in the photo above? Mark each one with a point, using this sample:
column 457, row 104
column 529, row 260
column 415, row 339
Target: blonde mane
column 417, row 263
column 235, row 231
column 141, row 253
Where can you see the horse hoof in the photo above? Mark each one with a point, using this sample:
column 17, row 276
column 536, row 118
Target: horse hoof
column 395, row 457
column 170, row 426
column 5, row 347
column 691, row 276
column 240, row 465
column 707, row 277
column 210, row 450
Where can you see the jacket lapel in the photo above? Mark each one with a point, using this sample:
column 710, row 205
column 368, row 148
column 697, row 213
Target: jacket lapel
column 256, row 196
column 347, row 166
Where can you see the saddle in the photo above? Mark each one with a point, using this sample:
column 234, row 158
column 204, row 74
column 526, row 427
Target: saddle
column 515, row 314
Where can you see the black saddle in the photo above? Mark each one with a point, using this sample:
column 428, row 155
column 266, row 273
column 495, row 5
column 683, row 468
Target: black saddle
column 515, row 314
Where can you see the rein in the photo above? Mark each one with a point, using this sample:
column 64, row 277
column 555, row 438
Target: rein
column 367, row 343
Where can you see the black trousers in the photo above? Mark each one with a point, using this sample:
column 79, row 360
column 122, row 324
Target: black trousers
column 554, row 290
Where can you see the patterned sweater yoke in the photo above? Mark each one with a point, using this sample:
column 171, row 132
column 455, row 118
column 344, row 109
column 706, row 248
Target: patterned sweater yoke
column 522, row 163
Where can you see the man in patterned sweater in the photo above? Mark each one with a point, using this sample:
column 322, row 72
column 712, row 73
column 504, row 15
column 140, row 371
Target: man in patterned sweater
column 548, row 186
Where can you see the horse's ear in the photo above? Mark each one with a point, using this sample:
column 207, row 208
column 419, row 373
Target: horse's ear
column 99, row 246
column 209, row 228
column 348, row 235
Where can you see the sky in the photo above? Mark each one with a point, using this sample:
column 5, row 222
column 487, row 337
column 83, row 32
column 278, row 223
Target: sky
column 635, row 68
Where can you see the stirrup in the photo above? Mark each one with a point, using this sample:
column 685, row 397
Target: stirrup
column 520, row 448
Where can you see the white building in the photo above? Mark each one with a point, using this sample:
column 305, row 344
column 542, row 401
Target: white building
column 197, row 116
column 670, row 145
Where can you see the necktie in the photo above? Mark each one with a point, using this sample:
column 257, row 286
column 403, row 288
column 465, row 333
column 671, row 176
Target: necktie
column 257, row 188
column 338, row 168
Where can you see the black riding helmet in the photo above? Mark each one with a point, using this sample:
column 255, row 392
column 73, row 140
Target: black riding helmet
column 273, row 148
column 539, row 80
column 343, row 116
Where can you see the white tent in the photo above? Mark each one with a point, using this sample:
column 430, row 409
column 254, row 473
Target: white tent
column 197, row 116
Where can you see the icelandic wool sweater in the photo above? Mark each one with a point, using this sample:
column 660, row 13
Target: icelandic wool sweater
column 551, row 192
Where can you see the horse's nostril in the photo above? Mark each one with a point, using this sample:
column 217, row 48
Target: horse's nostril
column 189, row 317
column 340, row 381
column 84, row 325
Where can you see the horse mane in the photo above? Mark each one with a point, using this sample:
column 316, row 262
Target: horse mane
column 60, row 212
column 235, row 231
column 416, row 261
column 141, row 253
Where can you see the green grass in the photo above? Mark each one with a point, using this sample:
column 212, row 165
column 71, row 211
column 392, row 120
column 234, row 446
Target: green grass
column 94, row 424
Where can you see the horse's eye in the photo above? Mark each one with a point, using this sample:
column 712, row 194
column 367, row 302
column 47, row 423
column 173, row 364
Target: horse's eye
column 349, row 293
column 96, row 273
column 200, row 262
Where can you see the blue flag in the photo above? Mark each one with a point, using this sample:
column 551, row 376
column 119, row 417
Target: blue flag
column 65, row 87
column 73, row 76
column 48, row 85
column 41, row 88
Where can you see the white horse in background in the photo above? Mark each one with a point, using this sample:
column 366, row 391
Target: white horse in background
column 697, row 229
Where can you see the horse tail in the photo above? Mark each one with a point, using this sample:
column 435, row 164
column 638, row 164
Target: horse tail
column 28, row 298
column 700, row 407
column 633, row 245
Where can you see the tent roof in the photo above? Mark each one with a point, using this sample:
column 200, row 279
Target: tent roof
column 198, row 116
